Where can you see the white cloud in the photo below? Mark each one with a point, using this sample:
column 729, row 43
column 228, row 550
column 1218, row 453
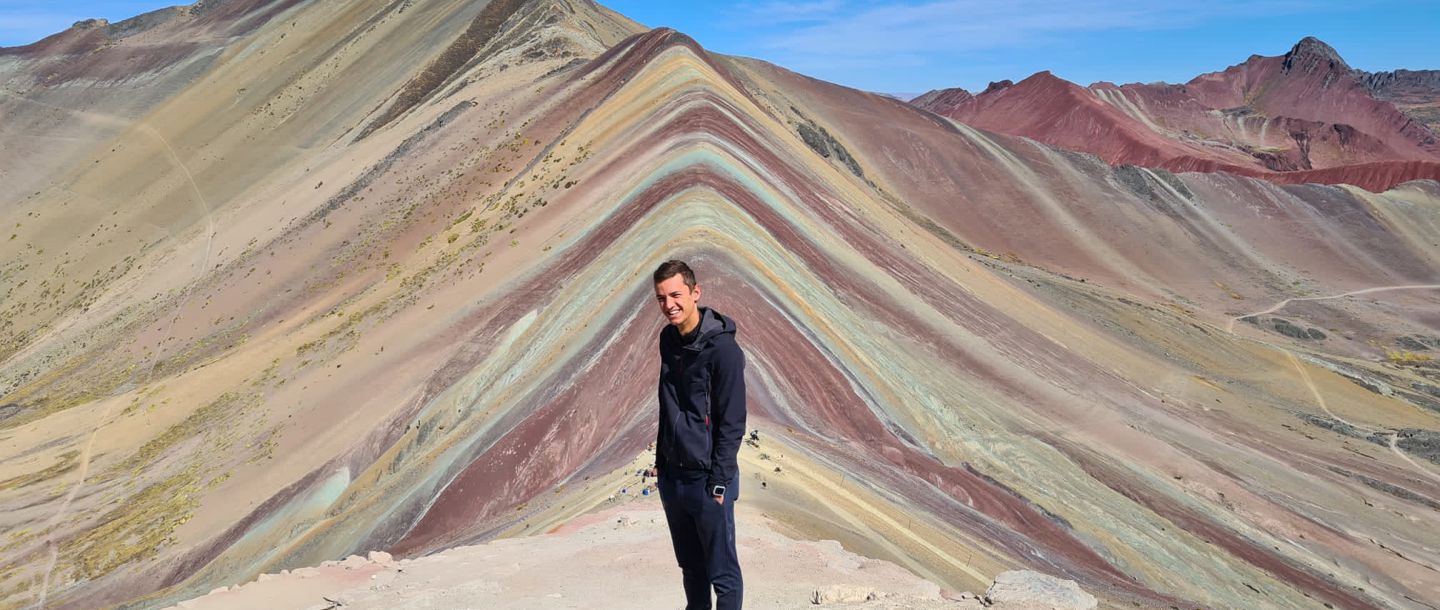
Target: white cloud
column 895, row 27
column 894, row 44
column 776, row 13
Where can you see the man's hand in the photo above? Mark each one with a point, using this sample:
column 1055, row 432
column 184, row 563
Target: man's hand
column 719, row 500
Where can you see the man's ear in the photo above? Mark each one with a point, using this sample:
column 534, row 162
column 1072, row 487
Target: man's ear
column 696, row 291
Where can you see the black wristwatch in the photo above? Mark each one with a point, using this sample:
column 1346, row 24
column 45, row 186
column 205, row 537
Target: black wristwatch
column 718, row 490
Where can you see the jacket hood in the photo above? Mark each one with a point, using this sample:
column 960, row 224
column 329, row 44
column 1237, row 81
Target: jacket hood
column 712, row 325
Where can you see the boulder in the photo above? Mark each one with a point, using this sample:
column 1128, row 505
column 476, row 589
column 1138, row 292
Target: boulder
column 1027, row 589
column 841, row 594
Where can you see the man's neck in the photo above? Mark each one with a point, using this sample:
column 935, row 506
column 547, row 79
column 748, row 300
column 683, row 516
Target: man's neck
column 690, row 325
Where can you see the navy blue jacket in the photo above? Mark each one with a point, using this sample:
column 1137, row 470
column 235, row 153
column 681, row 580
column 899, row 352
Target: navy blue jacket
column 702, row 399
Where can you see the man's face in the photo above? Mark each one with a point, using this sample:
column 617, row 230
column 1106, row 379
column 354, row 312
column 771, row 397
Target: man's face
column 676, row 300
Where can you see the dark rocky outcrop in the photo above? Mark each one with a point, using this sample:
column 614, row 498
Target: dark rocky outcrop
column 1285, row 327
column 460, row 52
column 820, row 141
column 1414, row 92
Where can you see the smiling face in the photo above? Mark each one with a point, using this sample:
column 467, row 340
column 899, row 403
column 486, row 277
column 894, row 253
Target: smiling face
column 678, row 302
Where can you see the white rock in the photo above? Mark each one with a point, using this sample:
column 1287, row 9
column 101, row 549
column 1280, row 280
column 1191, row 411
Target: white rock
column 1024, row 588
column 218, row 590
column 380, row 557
column 840, row 594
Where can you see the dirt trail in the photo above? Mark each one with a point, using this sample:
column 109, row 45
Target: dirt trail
column 1320, row 400
column 83, row 469
column 1230, row 325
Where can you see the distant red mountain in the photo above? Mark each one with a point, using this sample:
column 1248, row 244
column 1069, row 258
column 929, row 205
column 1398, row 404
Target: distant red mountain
column 943, row 100
column 1303, row 116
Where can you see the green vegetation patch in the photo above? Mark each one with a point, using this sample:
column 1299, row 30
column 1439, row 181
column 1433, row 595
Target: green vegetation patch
column 201, row 421
column 68, row 462
column 138, row 527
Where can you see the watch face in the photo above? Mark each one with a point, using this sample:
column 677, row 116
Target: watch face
column 718, row 490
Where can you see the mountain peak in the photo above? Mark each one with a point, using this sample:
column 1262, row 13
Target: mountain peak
column 942, row 101
column 1313, row 44
column 1312, row 53
column 1043, row 80
column 997, row 85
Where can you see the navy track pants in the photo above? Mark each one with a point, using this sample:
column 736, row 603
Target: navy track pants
column 703, row 534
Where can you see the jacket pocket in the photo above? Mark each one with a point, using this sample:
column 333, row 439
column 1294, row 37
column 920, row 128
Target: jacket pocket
column 693, row 441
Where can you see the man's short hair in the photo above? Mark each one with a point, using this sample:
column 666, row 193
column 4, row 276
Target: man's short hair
column 669, row 268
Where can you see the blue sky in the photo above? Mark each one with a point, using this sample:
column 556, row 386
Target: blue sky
column 910, row 46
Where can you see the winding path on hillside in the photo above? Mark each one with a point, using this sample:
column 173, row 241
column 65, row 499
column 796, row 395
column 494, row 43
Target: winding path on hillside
column 83, row 469
column 1393, row 435
column 1230, row 325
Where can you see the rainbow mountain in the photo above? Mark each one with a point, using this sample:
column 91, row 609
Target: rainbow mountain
column 292, row 280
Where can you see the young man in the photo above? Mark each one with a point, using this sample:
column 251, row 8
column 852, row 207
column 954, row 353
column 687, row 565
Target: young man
column 702, row 421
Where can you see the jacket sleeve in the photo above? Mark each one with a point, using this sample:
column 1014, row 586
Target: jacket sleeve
column 727, row 413
column 660, row 419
